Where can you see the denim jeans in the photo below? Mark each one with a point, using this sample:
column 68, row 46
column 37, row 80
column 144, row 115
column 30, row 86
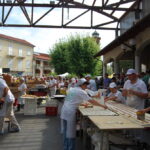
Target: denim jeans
column 69, row 143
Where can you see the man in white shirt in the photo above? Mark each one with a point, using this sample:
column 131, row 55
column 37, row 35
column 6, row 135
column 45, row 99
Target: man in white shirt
column 135, row 90
column 92, row 84
column 73, row 99
column 7, row 98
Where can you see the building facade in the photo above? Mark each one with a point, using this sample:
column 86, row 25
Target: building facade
column 41, row 65
column 16, row 55
column 132, row 41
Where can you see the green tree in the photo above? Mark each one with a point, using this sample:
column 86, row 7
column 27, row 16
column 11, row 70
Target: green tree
column 77, row 55
column 59, row 57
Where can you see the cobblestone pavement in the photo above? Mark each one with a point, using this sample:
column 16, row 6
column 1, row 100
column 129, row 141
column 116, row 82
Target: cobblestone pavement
column 39, row 132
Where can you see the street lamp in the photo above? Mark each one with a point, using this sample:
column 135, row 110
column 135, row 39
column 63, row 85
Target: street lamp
column 132, row 47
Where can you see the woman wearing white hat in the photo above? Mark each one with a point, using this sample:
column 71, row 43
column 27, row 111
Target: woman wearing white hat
column 22, row 91
column 73, row 99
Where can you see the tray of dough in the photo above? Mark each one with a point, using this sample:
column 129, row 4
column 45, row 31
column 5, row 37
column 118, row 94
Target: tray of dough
column 114, row 122
column 96, row 111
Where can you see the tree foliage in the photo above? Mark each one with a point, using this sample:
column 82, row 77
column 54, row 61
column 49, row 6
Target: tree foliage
column 75, row 55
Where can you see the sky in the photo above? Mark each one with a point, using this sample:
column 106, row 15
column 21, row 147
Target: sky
column 45, row 38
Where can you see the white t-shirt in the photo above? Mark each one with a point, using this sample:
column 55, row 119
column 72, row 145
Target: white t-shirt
column 119, row 96
column 133, row 100
column 21, row 88
column 9, row 97
column 74, row 98
column 92, row 85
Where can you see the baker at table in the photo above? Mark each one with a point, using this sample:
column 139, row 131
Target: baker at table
column 135, row 90
column 74, row 98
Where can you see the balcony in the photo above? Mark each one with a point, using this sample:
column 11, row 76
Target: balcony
column 10, row 55
column 21, row 56
column 46, row 67
column 38, row 66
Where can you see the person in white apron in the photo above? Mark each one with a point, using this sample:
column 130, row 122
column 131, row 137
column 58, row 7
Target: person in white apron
column 22, row 91
column 52, row 86
column 73, row 99
column 6, row 110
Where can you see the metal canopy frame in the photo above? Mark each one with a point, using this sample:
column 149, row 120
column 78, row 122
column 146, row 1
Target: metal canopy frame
column 106, row 8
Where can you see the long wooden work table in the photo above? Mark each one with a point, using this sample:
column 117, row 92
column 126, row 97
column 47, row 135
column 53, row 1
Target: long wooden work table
column 117, row 117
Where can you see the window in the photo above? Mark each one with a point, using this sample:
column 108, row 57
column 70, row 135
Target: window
column 28, row 64
column 0, row 61
column 10, row 50
column 28, row 52
column 0, row 46
column 20, row 52
column 10, row 63
column 20, row 64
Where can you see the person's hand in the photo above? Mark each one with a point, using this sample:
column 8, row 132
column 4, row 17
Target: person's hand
column 106, row 99
column 2, row 99
column 130, row 92
column 124, row 92
column 143, row 111
column 98, row 95
column 105, row 106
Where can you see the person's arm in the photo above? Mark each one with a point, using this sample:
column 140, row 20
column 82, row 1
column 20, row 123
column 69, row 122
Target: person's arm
column 124, row 92
column 5, row 91
column 113, row 98
column 139, row 94
column 144, row 110
column 96, row 103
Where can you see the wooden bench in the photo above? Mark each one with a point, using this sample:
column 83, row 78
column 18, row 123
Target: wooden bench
column 6, row 120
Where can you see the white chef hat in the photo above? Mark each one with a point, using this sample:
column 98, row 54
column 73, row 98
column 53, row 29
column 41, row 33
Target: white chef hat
column 88, row 76
column 112, row 85
column 73, row 80
column 131, row 71
column 22, row 78
column 82, row 81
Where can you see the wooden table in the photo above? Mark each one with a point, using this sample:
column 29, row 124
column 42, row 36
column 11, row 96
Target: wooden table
column 109, row 121
column 96, row 111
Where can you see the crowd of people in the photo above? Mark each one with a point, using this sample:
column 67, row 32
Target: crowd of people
column 130, row 89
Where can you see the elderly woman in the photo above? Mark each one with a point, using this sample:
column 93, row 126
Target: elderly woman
column 22, row 91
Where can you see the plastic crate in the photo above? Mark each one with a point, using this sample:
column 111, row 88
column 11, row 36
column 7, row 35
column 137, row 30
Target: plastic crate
column 51, row 110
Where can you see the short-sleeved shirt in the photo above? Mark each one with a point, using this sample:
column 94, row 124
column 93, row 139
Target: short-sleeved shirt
column 92, row 85
column 9, row 97
column 51, row 83
column 73, row 99
column 133, row 100
column 119, row 96
column 21, row 88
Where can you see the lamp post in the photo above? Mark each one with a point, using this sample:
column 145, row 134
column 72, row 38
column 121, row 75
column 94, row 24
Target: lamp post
column 132, row 47
column 132, row 43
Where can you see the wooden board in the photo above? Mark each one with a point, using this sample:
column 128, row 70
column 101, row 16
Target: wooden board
column 96, row 111
column 114, row 123
column 123, row 109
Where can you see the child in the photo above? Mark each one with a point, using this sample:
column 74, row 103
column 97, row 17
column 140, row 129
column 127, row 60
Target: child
column 114, row 94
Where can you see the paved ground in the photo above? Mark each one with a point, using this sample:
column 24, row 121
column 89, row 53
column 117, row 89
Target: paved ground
column 38, row 132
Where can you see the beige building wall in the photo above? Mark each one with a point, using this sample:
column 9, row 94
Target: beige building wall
column 14, row 59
